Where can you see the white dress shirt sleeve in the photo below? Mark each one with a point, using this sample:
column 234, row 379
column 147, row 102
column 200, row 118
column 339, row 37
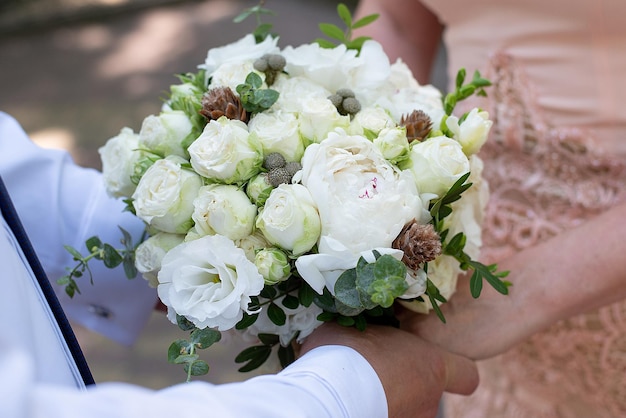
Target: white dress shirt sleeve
column 59, row 204
column 330, row 381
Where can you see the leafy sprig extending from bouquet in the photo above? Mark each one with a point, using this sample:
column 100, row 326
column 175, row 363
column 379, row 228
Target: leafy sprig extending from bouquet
column 344, row 36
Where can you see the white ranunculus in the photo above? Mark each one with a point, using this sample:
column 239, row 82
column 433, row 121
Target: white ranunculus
column 393, row 144
column 289, row 219
column 293, row 90
column 318, row 117
column 224, row 210
column 273, row 264
column 245, row 49
column 472, row 132
column 370, row 121
column 164, row 134
column 164, row 196
column 232, row 74
column 278, row 132
column 363, row 201
column 252, row 244
column 225, row 152
column 437, row 163
column 301, row 320
column 209, row 281
column 149, row 254
column 119, row 156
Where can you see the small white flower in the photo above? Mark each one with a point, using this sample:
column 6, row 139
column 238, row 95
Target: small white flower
column 273, row 265
column 278, row 132
column 164, row 134
column 119, row 156
column 149, row 254
column 209, row 281
column 472, row 132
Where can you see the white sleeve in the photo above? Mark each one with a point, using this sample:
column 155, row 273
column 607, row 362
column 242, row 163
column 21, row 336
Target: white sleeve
column 330, row 381
column 60, row 203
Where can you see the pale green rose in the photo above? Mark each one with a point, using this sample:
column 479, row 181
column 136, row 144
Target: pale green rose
column 318, row 116
column 472, row 133
column 278, row 131
column 273, row 264
column 164, row 134
column 226, row 153
column 165, row 194
column 393, row 144
column 149, row 254
column 258, row 189
column 224, row 210
column 370, row 121
column 289, row 219
column 119, row 156
column 437, row 164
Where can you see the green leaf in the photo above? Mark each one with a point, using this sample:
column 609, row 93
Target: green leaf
column 346, row 310
column 197, row 368
column 345, row 321
column 346, row 291
column 460, row 78
column 255, row 356
column 365, row 20
column 269, row 339
column 77, row 256
column 176, row 349
column 286, row 355
column 268, row 292
column 246, row 321
column 326, row 301
column 254, row 80
column 204, row 338
column 111, row 257
column 291, row 302
column 130, row 270
column 184, row 324
column 276, row 314
column 332, row 31
column 93, row 244
column 325, row 43
column 326, row 316
column 476, row 284
column 306, row 294
column 344, row 14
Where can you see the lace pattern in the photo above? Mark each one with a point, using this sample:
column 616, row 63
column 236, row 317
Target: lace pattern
column 544, row 180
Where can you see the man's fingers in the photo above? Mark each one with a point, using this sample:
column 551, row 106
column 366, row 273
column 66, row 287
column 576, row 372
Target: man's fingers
column 461, row 374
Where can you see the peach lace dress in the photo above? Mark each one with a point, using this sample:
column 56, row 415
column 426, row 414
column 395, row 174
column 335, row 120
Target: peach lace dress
column 556, row 156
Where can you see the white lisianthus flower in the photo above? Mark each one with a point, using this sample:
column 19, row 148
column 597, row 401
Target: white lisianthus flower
column 225, row 152
column 472, row 132
column 273, row 264
column 149, row 254
column 232, row 74
column 119, row 156
column 293, row 90
column 370, row 121
column 393, row 144
column 363, row 201
column 301, row 321
column 278, row 132
column 252, row 244
column 209, row 281
column 224, row 210
column 318, row 117
column 164, row 196
column 164, row 134
column 416, row 279
column 289, row 219
column 258, row 189
column 437, row 164
column 245, row 49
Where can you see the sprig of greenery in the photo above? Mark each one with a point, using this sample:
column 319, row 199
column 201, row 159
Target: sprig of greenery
column 253, row 98
column 263, row 30
column 183, row 351
column 344, row 36
column 112, row 257
column 464, row 91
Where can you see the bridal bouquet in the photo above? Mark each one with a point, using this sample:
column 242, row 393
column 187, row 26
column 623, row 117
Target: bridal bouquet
column 285, row 187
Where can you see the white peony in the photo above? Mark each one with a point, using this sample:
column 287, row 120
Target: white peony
column 278, row 132
column 209, row 281
column 164, row 196
column 224, row 210
column 472, row 133
column 164, row 134
column 119, row 156
column 289, row 219
column 225, row 152
column 437, row 163
column 149, row 254
column 293, row 90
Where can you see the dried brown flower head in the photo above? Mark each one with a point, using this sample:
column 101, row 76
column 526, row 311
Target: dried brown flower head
column 420, row 244
column 418, row 125
column 222, row 101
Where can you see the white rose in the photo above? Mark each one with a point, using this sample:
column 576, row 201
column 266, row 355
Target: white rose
column 293, row 90
column 149, row 254
column 278, row 132
column 370, row 121
column 289, row 219
column 258, row 189
column 318, row 117
column 301, row 320
column 393, row 144
column 245, row 49
column 363, row 201
column 472, row 132
column 224, row 210
column 437, row 163
column 209, row 281
column 225, row 152
column 252, row 244
column 165, row 194
column 273, row 264
column 164, row 134
column 232, row 74
column 119, row 156
column 417, row 284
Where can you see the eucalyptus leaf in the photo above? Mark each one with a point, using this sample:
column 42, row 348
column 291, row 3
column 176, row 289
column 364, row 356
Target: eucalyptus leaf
column 197, row 368
column 205, row 337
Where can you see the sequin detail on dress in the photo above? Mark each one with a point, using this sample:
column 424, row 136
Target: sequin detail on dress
column 544, row 180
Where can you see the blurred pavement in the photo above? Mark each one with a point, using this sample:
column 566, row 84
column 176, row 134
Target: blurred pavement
column 74, row 72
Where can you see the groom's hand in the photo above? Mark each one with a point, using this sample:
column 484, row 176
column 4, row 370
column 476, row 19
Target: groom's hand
column 414, row 372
